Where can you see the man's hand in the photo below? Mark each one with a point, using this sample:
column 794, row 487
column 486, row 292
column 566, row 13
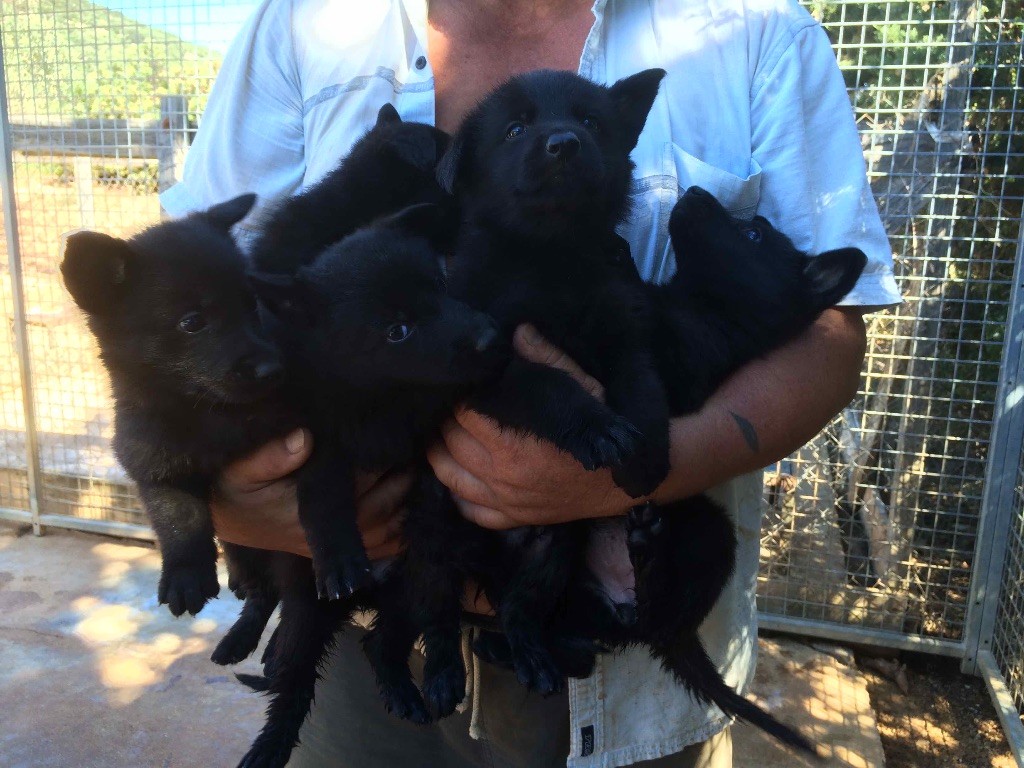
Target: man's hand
column 503, row 480
column 255, row 503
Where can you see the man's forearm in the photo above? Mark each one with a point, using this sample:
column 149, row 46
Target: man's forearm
column 769, row 408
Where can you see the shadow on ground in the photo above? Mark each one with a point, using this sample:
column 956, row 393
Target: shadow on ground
column 96, row 674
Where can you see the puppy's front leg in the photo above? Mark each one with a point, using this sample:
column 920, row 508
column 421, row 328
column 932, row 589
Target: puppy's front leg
column 550, row 404
column 328, row 516
column 180, row 515
column 635, row 391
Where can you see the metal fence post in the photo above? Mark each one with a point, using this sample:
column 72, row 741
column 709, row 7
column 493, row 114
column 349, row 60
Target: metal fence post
column 18, row 295
column 997, row 510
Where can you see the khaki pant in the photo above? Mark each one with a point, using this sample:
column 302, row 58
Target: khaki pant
column 348, row 727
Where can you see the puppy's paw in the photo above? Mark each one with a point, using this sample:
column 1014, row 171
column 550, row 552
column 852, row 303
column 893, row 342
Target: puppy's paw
column 339, row 578
column 609, row 444
column 576, row 656
column 445, row 689
column 644, row 526
column 237, row 645
column 493, row 648
column 645, row 470
column 535, row 667
column 187, row 586
column 402, row 700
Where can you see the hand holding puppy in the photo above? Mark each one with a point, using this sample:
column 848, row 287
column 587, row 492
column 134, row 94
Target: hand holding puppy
column 504, row 480
column 255, row 503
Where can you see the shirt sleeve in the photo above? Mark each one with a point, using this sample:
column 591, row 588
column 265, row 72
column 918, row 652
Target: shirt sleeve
column 250, row 138
column 814, row 183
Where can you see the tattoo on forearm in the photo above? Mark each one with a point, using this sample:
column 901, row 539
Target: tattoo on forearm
column 747, row 430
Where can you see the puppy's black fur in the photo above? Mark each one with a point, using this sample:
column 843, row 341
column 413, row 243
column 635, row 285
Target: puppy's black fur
column 541, row 170
column 192, row 372
column 388, row 169
column 741, row 290
column 378, row 354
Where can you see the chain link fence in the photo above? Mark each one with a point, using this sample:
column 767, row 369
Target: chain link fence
column 900, row 525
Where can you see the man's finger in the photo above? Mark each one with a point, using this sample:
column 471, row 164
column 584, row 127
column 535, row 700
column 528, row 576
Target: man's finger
column 531, row 345
column 455, row 477
column 463, row 444
column 484, row 516
column 275, row 460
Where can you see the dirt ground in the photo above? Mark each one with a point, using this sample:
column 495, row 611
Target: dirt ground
column 945, row 720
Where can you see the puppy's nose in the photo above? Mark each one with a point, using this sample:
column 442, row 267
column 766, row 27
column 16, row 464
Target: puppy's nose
column 261, row 370
column 563, row 145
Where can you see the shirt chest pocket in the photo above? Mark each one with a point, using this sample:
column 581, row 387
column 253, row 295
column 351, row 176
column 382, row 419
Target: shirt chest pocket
column 657, row 186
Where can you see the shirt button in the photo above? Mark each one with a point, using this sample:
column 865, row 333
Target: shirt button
column 421, row 62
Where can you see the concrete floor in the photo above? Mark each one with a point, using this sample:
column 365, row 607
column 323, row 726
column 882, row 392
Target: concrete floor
column 96, row 675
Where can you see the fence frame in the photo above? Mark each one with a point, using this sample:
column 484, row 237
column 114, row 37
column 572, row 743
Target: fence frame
column 10, row 211
column 997, row 510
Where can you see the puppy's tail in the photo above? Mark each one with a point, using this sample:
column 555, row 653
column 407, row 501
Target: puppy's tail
column 692, row 667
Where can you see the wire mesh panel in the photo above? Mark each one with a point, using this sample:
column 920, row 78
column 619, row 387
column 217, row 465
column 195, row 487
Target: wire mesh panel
column 13, row 450
column 102, row 105
column 873, row 524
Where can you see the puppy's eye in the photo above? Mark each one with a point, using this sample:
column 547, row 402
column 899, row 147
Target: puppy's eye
column 753, row 234
column 398, row 332
column 193, row 322
column 514, row 131
column 590, row 123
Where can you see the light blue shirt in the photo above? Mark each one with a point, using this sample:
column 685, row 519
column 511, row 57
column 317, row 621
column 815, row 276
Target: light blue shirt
column 754, row 109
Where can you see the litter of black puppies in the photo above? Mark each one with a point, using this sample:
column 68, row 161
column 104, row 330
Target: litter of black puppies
column 380, row 348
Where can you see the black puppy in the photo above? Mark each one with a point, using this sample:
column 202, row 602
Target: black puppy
column 542, row 172
column 741, row 290
column 192, row 373
column 388, row 169
column 378, row 354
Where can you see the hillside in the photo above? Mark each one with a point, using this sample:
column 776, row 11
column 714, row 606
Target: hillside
column 68, row 59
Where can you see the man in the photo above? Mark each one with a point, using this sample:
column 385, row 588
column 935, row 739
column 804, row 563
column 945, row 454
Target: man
column 754, row 110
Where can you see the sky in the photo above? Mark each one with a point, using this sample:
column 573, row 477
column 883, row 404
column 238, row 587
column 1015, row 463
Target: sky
column 208, row 23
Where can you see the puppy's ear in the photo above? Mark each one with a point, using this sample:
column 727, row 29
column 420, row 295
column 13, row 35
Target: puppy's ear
column 387, row 114
column 633, row 97
column 95, row 269
column 454, row 163
column 288, row 297
column 230, row 212
column 832, row 275
column 416, row 146
column 437, row 223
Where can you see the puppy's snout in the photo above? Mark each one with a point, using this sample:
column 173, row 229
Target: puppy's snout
column 563, row 145
column 260, row 369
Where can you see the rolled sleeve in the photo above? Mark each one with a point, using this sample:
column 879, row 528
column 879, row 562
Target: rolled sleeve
column 814, row 182
column 251, row 135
